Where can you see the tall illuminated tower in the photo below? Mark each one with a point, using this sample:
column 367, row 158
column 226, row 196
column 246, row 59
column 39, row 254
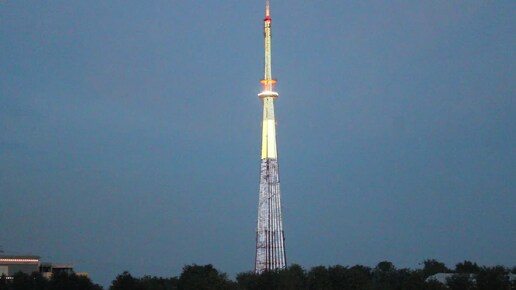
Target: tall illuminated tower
column 270, row 239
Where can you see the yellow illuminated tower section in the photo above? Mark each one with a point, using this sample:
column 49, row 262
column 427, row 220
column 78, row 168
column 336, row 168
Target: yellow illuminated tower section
column 270, row 239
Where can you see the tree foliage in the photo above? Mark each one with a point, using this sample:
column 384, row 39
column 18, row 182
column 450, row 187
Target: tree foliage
column 461, row 281
column 490, row 278
column 126, row 281
column 205, row 277
column 384, row 276
column 432, row 267
column 467, row 267
column 58, row 281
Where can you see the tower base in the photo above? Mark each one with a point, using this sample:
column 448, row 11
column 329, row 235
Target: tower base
column 270, row 238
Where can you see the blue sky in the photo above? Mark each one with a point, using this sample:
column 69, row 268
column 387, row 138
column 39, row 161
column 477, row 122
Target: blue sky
column 130, row 132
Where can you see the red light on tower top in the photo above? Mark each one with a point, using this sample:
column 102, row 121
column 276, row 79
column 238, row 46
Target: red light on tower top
column 267, row 12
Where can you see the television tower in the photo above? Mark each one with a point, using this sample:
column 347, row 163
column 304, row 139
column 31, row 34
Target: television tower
column 270, row 239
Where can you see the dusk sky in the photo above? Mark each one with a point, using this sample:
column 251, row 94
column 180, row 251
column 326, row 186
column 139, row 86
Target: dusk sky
column 130, row 132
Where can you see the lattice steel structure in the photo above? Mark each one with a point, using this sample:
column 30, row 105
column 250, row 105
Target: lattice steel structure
column 270, row 239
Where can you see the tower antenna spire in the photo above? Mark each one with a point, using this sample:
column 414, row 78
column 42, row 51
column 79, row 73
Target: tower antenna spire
column 270, row 239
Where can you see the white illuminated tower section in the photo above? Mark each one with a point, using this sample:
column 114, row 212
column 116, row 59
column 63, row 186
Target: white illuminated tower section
column 270, row 240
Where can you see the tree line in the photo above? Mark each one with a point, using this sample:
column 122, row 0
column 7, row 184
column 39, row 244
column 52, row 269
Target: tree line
column 384, row 276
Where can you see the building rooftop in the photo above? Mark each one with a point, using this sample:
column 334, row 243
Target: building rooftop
column 19, row 258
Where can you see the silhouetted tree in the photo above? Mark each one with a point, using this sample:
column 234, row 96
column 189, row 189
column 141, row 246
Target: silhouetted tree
column 21, row 281
column 467, row 267
column 462, row 281
column 338, row 277
column 65, row 281
column 401, row 276
column 158, row 283
column 385, row 276
column 292, row 278
column 359, row 278
column 414, row 280
column 38, row 281
column 58, row 281
column 319, row 279
column 206, row 277
column 435, row 285
column 432, row 267
column 268, row 280
column 4, row 283
column 247, row 280
column 493, row 278
column 125, row 281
